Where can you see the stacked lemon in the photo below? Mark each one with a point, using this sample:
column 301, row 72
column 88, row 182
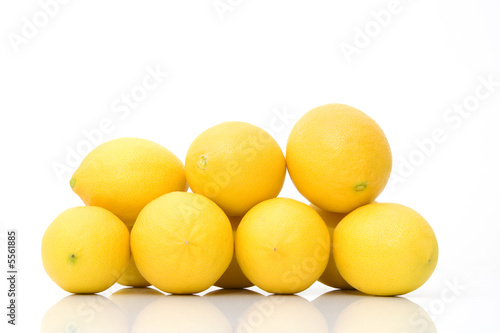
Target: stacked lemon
column 140, row 226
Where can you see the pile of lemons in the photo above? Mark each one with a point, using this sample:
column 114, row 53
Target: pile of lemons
column 141, row 227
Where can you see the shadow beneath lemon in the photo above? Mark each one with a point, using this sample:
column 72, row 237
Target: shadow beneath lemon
column 353, row 312
column 84, row 313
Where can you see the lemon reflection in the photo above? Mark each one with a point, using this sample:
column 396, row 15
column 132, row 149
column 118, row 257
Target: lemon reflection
column 353, row 312
column 82, row 314
column 282, row 313
column 148, row 310
column 180, row 313
column 233, row 302
column 132, row 300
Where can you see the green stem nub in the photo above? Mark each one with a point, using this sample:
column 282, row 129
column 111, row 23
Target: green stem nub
column 72, row 258
column 202, row 162
column 72, row 182
column 361, row 187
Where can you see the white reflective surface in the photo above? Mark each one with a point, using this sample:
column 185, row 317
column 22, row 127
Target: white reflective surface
column 149, row 310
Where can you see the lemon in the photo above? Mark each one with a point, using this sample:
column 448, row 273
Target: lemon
column 132, row 277
column 124, row 175
column 182, row 242
column 237, row 165
column 338, row 158
column 331, row 276
column 385, row 249
column 85, row 249
column 233, row 277
column 282, row 246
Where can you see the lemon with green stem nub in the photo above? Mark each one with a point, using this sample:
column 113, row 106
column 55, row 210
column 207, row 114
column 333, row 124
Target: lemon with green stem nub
column 385, row 249
column 338, row 158
column 124, row 175
column 85, row 249
column 237, row 165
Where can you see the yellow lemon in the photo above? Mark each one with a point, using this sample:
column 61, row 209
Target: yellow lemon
column 233, row 277
column 124, row 175
column 237, row 165
column 385, row 249
column 338, row 158
column 132, row 277
column 85, row 249
column 182, row 242
column 331, row 276
column 282, row 246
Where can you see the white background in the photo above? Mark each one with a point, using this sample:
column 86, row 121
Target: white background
column 257, row 60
